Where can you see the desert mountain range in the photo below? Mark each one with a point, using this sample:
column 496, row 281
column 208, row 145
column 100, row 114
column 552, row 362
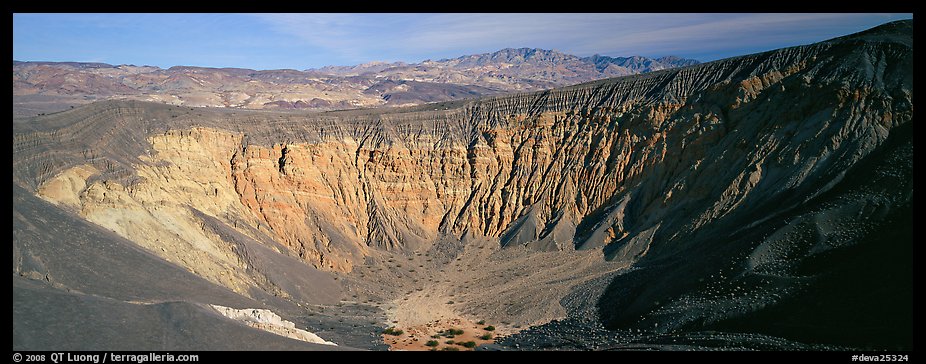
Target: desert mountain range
column 41, row 87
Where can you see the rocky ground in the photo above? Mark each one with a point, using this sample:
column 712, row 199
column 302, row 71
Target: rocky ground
column 509, row 289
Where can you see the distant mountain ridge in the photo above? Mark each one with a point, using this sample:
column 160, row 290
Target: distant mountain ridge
column 526, row 63
column 41, row 87
column 639, row 64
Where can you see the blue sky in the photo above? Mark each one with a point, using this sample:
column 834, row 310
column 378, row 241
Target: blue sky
column 301, row 41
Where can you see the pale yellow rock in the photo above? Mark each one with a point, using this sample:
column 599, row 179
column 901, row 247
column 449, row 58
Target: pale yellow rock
column 155, row 213
column 65, row 188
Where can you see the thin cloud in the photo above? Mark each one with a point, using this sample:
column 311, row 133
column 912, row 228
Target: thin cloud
column 730, row 31
column 350, row 36
column 413, row 37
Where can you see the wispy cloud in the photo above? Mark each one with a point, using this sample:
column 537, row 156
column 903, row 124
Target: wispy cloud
column 725, row 34
column 358, row 36
column 347, row 36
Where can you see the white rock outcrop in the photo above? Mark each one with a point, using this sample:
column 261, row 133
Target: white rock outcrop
column 268, row 321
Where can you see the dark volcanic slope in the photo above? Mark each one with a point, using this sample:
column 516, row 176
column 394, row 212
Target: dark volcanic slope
column 45, row 318
column 76, row 286
column 751, row 195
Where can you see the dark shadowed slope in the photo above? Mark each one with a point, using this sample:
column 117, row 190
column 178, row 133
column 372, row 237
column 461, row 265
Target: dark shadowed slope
column 829, row 261
column 836, row 270
column 813, row 243
column 45, row 318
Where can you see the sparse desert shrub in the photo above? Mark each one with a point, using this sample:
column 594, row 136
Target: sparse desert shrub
column 449, row 342
column 435, row 336
column 432, row 343
column 489, row 328
column 470, row 344
column 486, row 337
column 392, row 331
column 450, row 348
column 481, row 322
column 455, row 331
